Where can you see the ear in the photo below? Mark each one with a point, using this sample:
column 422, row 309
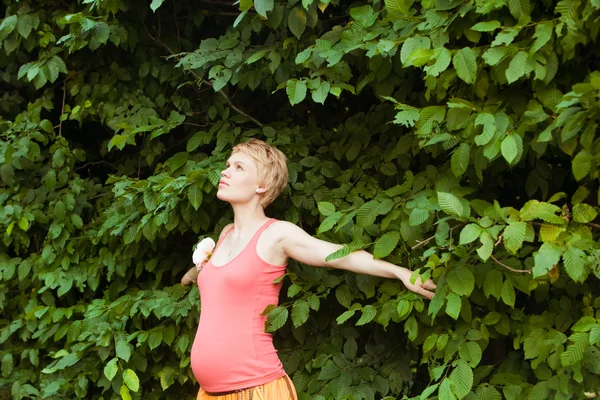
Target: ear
column 261, row 190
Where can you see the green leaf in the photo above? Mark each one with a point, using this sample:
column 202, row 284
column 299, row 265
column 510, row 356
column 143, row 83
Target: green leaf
column 469, row 234
column 320, row 94
column 7, row 174
column 462, row 376
column 368, row 313
column 508, row 293
column 367, row 213
column 403, row 308
column 76, row 221
column 461, row 280
column 584, row 213
column 443, row 57
column 488, row 392
column 514, row 235
column 489, row 128
column 460, row 159
column 512, row 392
column 314, row 302
column 582, row 164
column 296, row 91
column 156, row 4
column 411, row 45
column 453, row 304
column 574, row 352
column 418, row 216
column 521, row 10
column 487, row 246
column 329, row 222
column 494, row 55
column 574, row 261
column 450, row 204
column 326, row 208
column 465, row 63
column 386, row 244
column 276, row 319
column 471, row 353
column 488, row 26
column 300, row 312
column 411, row 327
column 263, row 6
column 492, row 285
column 401, row 7
column 297, row 21
column 516, row 68
column 542, row 35
column 194, row 195
column 131, row 380
column 123, row 350
column 344, row 251
column 534, row 209
column 124, row 392
column 25, row 25
column 546, row 257
column 510, row 149
column 111, row 369
column 445, row 392
column 345, row 316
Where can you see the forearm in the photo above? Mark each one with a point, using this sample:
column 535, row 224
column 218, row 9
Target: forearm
column 362, row 262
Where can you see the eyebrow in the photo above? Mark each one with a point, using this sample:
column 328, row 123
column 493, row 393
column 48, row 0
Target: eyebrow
column 239, row 162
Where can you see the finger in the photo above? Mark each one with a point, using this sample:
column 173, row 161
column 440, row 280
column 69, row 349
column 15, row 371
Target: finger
column 425, row 293
column 429, row 285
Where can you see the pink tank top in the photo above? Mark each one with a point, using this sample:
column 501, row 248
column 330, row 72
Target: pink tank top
column 231, row 349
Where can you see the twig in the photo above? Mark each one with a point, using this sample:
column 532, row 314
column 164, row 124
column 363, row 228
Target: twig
column 197, row 125
column 522, row 271
column 99, row 195
column 202, row 81
column 597, row 226
column 63, row 107
column 177, row 27
column 429, row 239
column 220, row 3
column 94, row 163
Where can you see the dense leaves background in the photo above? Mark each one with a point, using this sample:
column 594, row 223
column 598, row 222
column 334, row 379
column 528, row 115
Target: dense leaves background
column 458, row 138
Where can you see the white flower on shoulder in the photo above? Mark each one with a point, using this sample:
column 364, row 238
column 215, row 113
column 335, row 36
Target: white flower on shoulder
column 203, row 251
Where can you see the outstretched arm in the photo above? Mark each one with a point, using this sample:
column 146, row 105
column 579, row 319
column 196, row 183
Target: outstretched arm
column 301, row 246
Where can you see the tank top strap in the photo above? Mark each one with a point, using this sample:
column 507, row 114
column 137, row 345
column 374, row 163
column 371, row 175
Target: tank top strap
column 262, row 229
column 223, row 237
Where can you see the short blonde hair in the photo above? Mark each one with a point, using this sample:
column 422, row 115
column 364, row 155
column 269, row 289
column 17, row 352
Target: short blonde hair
column 272, row 167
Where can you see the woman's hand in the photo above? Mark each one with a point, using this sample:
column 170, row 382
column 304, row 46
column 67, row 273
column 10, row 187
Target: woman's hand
column 424, row 289
column 189, row 277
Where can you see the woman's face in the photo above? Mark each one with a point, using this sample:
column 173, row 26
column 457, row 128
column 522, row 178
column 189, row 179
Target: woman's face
column 239, row 179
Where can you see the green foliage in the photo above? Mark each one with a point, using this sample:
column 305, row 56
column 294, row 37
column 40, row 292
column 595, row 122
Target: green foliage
column 456, row 139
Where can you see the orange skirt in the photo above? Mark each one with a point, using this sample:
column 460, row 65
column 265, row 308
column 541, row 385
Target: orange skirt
column 279, row 389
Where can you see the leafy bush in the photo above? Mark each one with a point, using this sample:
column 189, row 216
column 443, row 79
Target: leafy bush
column 456, row 138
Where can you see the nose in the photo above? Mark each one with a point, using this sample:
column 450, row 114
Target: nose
column 225, row 173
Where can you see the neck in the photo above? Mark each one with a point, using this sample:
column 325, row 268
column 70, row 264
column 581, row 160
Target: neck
column 247, row 218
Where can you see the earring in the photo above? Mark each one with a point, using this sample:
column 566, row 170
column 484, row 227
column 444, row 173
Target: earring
column 257, row 190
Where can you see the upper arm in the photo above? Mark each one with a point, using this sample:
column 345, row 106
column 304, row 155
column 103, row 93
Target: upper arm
column 301, row 246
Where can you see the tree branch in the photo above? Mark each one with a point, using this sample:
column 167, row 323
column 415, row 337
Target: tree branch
column 202, row 81
column 95, row 163
column 521, row 271
column 429, row 239
column 63, row 107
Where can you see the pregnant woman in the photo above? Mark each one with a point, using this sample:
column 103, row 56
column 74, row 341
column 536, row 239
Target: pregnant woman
column 233, row 358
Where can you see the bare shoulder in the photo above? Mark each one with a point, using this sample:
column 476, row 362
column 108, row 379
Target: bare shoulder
column 283, row 229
